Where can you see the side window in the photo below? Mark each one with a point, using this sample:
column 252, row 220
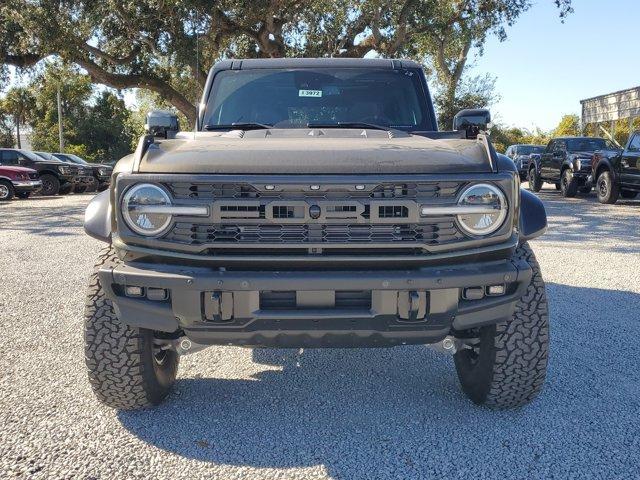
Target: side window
column 560, row 146
column 10, row 157
column 24, row 160
column 634, row 145
column 550, row 147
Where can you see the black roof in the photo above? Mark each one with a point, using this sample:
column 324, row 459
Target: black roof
column 253, row 63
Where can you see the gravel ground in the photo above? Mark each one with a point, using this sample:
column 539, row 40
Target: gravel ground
column 390, row 413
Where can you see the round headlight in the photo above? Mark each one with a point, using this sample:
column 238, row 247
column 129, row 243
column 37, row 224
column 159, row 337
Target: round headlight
column 138, row 209
column 490, row 211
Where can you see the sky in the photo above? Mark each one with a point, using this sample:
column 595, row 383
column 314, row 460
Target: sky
column 546, row 67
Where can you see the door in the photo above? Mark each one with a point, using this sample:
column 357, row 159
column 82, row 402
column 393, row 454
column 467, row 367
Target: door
column 630, row 163
column 547, row 160
column 558, row 155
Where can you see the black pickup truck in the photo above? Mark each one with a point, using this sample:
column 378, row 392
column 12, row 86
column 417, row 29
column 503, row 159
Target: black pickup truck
column 56, row 176
column 617, row 173
column 316, row 205
column 566, row 162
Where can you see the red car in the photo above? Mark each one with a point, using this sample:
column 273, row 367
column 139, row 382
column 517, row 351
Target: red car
column 18, row 181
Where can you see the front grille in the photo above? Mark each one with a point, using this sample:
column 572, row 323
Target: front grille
column 198, row 234
column 296, row 216
column 214, row 191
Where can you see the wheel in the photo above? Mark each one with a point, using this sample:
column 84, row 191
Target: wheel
column 606, row 188
column 80, row 189
column 505, row 365
column 535, row 182
column 126, row 369
column 23, row 195
column 66, row 189
column 568, row 185
column 50, row 185
column 557, row 185
column 6, row 190
column 628, row 194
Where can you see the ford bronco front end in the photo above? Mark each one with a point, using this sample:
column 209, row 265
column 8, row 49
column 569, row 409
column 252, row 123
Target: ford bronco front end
column 316, row 205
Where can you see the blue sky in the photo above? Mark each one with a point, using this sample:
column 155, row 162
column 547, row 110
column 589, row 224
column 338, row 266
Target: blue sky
column 545, row 67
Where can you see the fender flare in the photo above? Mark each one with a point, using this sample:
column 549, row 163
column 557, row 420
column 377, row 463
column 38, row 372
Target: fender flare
column 533, row 216
column 606, row 163
column 97, row 217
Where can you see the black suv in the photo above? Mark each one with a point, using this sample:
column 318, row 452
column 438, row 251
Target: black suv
column 317, row 205
column 566, row 162
column 522, row 154
column 101, row 173
column 57, row 177
column 617, row 174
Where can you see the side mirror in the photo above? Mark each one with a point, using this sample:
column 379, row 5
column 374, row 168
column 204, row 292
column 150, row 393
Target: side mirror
column 162, row 123
column 472, row 121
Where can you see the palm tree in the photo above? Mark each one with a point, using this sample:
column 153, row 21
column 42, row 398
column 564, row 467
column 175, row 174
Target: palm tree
column 18, row 102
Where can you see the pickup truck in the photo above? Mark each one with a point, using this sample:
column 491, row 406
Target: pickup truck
column 56, row 176
column 18, row 181
column 521, row 154
column 617, row 173
column 316, row 205
column 566, row 162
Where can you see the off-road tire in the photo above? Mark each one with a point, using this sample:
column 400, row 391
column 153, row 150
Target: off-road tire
column 535, row 182
column 50, row 185
column 607, row 190
column 23, row 195
column 6, row 191
column 66, row 189
column 508, row 364
column 568, row 184
column 123, row 370
column 628, row 194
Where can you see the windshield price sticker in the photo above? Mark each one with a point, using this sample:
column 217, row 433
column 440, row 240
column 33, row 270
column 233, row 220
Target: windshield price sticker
column 309, row 93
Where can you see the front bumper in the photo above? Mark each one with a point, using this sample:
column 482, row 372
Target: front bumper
column 313, row 308
column 83, row 181
column 27, row 185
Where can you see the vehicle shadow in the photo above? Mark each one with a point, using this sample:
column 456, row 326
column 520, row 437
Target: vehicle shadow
column 399, row 413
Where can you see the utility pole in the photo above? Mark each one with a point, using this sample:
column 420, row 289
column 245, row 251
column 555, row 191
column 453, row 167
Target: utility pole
column 60, row 122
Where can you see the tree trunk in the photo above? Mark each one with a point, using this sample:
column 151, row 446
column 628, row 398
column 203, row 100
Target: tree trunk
column 18, row 143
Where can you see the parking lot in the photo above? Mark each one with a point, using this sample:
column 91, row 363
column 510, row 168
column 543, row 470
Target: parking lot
column 388, row 413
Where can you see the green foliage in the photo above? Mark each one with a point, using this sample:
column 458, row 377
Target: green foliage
column 153, row 45
column 503, row 137
column 94, row 124
column 569, row 126
column 476, row 92
column 6, row 130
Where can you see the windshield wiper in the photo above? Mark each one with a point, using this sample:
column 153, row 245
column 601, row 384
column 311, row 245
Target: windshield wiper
column 372, row 126
column 239, row 126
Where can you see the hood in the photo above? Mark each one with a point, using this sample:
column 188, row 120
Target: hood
column 590, row 154
column 314, row 151
column 17, row 169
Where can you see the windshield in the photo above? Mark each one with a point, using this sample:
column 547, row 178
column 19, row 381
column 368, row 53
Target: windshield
column 33, row 156
column 296, row 97
column 70, row 157
column 589, row 144
column 529, row 149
